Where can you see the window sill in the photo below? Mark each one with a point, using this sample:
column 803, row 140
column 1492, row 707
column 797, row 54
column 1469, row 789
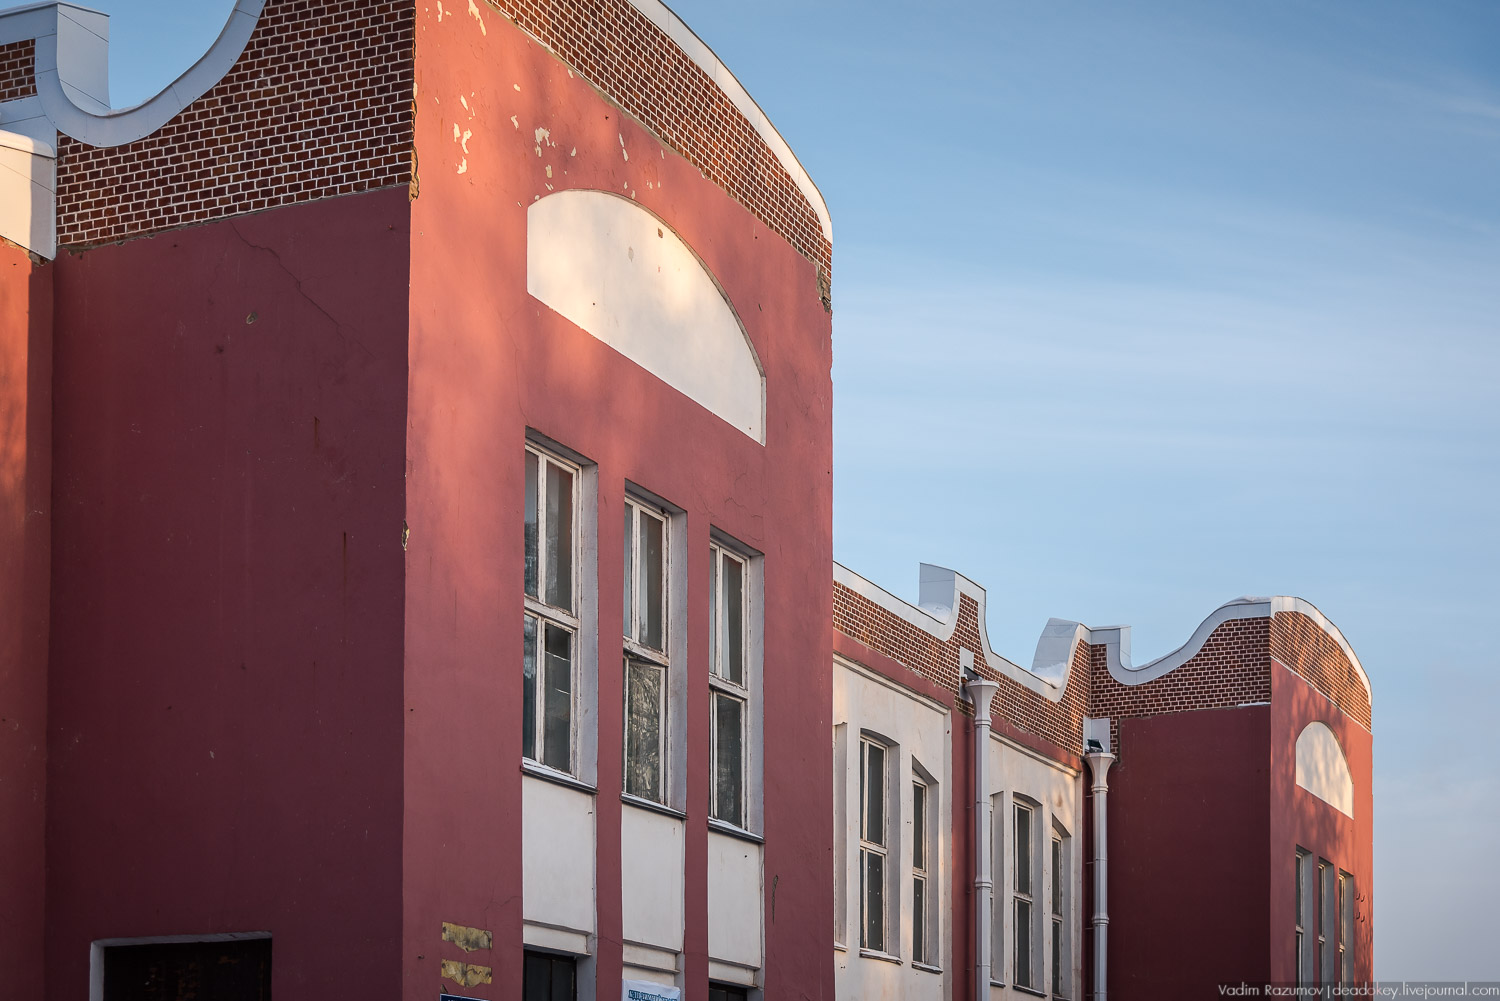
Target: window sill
column 1030, row 990
column 883, row 957
column 651, row 805
column 721, row 827
column 926, row 968
column 538, row 770
column 840, row 947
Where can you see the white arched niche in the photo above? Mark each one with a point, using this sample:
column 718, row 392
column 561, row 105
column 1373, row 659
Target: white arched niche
column 621, row 274
column 1322, row 769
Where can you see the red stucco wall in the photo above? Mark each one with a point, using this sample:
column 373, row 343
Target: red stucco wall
column 225, row 696
column 25, row 539
column 1300, row 819
column 487, row 362
column 1188, row 819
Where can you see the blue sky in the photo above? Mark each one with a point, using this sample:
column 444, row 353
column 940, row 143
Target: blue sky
column 1142, row 306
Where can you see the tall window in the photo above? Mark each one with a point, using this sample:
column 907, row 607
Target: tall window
column 1346, row 928
column 551, row 612
column 1304, row 895
column 729, row 683
column 1061, row 954
column 919, row 851
column 1023, row 896
column 872, row 844
column 1327, row 917
column 646, row 662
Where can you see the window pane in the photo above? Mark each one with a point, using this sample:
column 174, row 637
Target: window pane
column 1057, row 876
column 734, row 620
column 875, row 907
column 1346, row 927
column 564, row 973
column 559, row 537
column 714, row 602
column 652, row 557
column 628, row 622
column 537, row 978
column 643, row 702
column 729, row 760
column 918, row 826
column 531, row 551
column 1023, row 851
column 875, row 795
column 557, row 678
column 919, row 920
column 1057, row 958
column 528, row 697
column 1023, row 942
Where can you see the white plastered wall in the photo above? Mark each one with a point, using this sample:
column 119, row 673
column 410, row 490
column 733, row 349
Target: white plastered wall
column 651, row 885
column 920, row 730
column 736, row 896
column 622, row 275
column 558, row 867
column 1322, row 768
column 1016, row 772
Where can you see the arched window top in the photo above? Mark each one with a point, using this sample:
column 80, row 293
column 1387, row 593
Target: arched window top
column 1322, row 768
column 623, row 275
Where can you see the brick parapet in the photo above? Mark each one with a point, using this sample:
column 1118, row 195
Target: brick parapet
column 1302, row 646
column 17, row 79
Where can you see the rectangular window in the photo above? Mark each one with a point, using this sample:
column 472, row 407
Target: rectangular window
column 729, row 683
column 1346, row 928
column 872, row 844
column 1024, row 902
column 1060, row 953
column 726, row 992
column 1327, row 917
column 1303, row 898
column 550, row 622
column 549, row 977
column 919, row 872
column 646, row 660
column 233, row 970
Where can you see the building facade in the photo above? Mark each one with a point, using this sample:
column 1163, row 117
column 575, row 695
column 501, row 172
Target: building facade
column 415, row 524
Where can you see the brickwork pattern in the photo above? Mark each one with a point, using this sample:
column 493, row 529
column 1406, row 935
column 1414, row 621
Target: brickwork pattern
column 618, row 49
column 318, row 104
column 881, row 630
column 1232, row 668
column 16, row 77
column 1302, row 646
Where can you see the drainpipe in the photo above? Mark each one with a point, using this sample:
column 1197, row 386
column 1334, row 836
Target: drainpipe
column 1099, row 761
column 981, row 693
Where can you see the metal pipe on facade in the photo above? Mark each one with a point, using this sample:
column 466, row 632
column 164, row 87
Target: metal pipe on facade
column 1099, row 762
column 982, row 693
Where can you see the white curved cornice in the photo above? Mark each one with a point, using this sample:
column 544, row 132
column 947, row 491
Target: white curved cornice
column 72, row 72
column 938, row 598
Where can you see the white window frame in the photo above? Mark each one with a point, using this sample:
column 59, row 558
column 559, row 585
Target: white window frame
column 1000, row 905
column 1060, row 851
column 641, row 656
column 875, row 843
column 1026, row 896
column 547, row 615
column 1302, row 900
column 923, row 926
column 746, row 691
column 1346, row 927
column 1327, row 921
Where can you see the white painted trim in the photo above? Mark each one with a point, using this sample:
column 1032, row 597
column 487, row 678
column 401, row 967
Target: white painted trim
column 939, row 590
column 72, row 70
column 698, row 51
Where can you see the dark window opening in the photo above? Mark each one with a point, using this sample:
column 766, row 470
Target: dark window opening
column 235, row 970
column 550, row 977
column 723, row 992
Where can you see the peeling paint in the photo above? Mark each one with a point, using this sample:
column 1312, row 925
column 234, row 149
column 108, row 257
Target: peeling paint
column 467, row 938
column 474, row 13
column 455, row 132
column 464, row 101
column 623, row 151
column 549, row 170
column 466, row 974
column 575, row 151
column 517, row 86
column 464, row 140
column 441, row 12
column 514, row 121
column 463, row 168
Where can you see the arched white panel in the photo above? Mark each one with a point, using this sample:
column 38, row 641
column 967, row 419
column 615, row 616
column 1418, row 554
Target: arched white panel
column 1322, row 769
column 622, row 275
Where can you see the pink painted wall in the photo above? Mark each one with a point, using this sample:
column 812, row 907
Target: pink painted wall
column 25, row 540
column 225, row 695
column 487, row 362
